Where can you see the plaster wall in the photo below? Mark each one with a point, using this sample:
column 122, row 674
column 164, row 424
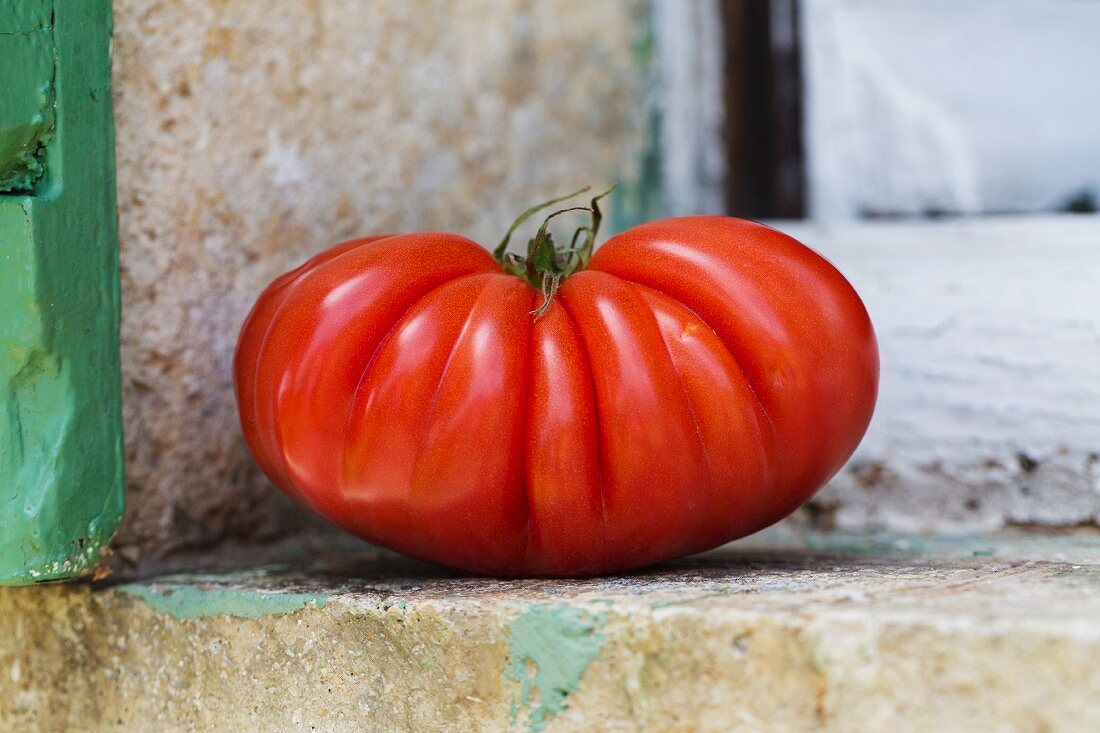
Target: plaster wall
column 249, row 137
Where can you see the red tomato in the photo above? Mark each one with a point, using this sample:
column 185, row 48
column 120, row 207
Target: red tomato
column 699, row 380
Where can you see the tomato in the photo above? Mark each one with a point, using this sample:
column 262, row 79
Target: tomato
column 695, row 380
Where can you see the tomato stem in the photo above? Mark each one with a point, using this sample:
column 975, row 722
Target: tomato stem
column 503, row 246
column 546, row 264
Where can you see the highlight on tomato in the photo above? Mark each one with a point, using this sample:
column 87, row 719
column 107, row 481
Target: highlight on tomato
column 568, row 411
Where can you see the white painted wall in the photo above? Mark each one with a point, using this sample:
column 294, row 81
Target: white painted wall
column 989, row 411
column 690, row 96
column 941, row 105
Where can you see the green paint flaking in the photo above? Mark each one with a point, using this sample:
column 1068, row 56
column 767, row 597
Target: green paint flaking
column 61, row 492
column 27, row 106
column 673, row 602
column 889, row 544
column 185, row 601
column 551, row 649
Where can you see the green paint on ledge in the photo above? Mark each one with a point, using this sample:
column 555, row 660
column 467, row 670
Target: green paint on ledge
column 183, row 601
column 551, row 649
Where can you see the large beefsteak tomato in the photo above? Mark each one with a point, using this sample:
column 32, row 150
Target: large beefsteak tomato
column 568, row 413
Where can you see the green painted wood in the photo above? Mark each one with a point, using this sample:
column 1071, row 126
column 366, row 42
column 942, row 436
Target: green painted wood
column 26, row 93
column 60, row 412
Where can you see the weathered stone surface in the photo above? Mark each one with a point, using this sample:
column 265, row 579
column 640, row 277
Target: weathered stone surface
column 829, row 633
column 251, row 136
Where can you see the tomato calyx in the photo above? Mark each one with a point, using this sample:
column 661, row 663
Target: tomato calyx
column 547, row 264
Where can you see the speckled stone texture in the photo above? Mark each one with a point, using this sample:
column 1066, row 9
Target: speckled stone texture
column 815, row 633
column 251, row 135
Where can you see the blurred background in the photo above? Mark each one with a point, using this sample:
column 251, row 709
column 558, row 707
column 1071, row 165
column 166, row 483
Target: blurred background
column 863, row 109
column 944, row 155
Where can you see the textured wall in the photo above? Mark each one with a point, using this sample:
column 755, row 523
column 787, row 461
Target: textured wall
column 989, row 406
column 250, row 137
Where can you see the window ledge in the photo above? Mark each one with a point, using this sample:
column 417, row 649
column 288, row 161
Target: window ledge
column 785, row 631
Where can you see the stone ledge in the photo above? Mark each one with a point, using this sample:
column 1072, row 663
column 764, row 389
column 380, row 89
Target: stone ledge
column 784, row 632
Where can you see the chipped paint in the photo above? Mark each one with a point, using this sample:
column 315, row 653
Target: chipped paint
column 183, row 601
column 60, row 413
column 27, row 107
column 551, row 649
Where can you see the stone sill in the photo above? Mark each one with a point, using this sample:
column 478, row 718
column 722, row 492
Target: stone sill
column 785, row 631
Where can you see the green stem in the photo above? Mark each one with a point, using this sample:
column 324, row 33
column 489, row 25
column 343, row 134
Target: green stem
column 503, row 246
column 584, row 254
column 546, row 265
column 535, row 265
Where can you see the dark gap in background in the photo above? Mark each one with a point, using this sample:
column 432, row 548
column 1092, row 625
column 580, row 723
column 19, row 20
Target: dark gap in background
column 763, row 76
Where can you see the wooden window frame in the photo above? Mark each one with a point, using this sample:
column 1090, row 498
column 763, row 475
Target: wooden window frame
column 731, row 107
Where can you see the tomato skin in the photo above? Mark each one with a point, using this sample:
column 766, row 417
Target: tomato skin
column 700, row 380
